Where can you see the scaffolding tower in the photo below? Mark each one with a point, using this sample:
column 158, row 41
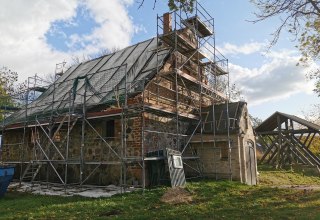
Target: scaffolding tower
column 199, row 68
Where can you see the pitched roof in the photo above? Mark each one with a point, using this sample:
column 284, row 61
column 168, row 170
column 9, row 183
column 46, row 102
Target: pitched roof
column 221, row 112
column 127, row 69
column 271, row 123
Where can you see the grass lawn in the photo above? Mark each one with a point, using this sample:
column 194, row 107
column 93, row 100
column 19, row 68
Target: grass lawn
column 210, row 200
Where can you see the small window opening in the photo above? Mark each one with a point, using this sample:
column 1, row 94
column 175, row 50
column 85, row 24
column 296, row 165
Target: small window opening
column 110, row 129
column 224, row 153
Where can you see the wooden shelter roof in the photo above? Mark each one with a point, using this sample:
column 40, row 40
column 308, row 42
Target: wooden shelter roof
column 271, row 123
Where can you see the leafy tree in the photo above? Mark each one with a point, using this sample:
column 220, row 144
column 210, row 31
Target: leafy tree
column 301, row 18
column 8, row 78
column 186, row 5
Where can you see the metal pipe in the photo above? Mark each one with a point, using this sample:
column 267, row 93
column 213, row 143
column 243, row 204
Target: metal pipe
column 83, row 127
column 142, row 143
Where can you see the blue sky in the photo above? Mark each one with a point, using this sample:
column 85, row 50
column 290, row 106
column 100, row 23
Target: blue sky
column 38, row 34
column 80, row 24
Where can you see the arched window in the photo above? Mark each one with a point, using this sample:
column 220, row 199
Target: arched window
column 250, row 144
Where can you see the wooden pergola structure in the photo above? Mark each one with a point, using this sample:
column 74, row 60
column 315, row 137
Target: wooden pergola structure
column 286, row 140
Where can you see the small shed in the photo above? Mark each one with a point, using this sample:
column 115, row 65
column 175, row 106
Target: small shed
column 222, row 157
column 287, row 139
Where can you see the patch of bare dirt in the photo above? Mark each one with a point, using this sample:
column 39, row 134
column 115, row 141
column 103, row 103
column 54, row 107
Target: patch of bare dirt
column 110, row 213
column 176, row 195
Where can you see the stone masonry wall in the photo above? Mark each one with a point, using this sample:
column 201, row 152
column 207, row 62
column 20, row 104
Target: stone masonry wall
column 211, row 158
column 214, row 165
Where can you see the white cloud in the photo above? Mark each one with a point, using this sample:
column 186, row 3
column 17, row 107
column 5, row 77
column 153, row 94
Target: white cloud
column 24, row 24
column 246, row 49
column 278, row 78
column 115, row 28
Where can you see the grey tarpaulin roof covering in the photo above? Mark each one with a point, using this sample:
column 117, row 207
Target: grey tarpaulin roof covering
column 103, row 75
column 271, row 123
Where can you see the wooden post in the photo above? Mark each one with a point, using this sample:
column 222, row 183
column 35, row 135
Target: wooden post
column 279, row 141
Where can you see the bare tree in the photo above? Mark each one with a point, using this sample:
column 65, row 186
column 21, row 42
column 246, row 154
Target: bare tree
column 301, row 18
column 313, row 114
column 75, row 59
column 297, row 16
column 256, row 121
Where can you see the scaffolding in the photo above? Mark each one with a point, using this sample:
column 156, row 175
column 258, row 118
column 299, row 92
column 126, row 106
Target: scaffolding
column 159, row 104
column 199, row 68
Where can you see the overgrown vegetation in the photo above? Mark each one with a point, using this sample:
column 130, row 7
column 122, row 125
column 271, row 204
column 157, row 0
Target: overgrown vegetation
column 296, row 176
column 7, row 80
column 210, row 200
column 314, row 146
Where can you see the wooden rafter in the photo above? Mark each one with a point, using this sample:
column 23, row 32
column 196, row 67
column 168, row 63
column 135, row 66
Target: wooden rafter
column 286, row 144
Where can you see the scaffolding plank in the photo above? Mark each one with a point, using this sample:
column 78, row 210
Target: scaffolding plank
column 204, row 86
column 176, row 41
column 215, row 68
column 163, row 110
column 200, row 26
column 207, row 139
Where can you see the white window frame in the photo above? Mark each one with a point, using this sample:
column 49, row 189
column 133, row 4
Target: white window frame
column 177, row 162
